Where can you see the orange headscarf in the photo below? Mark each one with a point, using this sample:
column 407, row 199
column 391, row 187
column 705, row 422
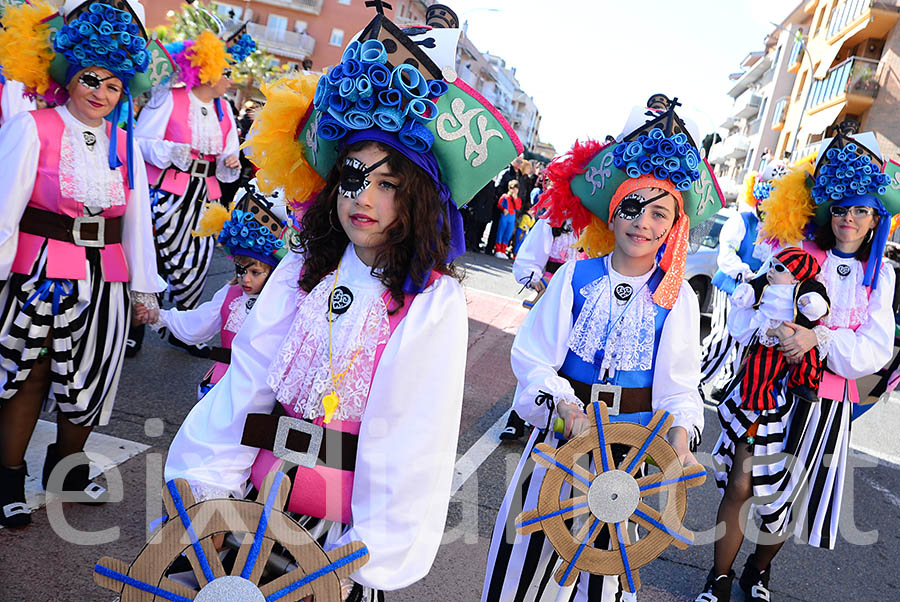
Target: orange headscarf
column 673, row 259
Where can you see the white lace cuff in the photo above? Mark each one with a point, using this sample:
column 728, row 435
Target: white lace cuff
column 823, row 339
column 148, row 300
column 181, row 156
column 566, row 398
column 203, row 492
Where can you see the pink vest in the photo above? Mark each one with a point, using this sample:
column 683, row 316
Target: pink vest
column 179, row 130
column 322, row 491
column 218, row 370
column 66, row 259
column 832, row 385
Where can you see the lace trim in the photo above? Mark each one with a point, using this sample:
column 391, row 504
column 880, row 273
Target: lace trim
column 237, row 313
column 630, row 344
column 206, row 134
column 180, row 156
column 823, row 339
column 561, row 249
column 203, row 492
column 84, row 172
column 149, row 300
column 300, row 375
column 849, row 300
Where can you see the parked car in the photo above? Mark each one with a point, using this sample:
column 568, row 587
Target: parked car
column 701, row 265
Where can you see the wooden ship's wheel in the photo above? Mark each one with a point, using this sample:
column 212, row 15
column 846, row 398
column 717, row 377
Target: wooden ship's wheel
column 607, row 496
column 260, row 524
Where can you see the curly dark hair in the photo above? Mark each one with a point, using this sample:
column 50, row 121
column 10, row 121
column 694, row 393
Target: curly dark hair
column 414, row 240
column 825, row 239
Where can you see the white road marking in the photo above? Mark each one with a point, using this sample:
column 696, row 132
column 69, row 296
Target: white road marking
column 475, row 456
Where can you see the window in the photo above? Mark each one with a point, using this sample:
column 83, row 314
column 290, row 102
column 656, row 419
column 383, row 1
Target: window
column 276, row 26
column 801, row 86
column 337, row 37
column 347, row 2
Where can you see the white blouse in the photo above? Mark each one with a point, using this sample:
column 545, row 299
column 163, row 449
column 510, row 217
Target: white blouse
column 548, row 332
column 198, row 325
column 19, row 149
column 410, row 425
column 150, row 132
column 539, row 247
column 13, row 101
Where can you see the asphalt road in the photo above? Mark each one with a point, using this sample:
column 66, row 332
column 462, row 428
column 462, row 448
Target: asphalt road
column 158, row 389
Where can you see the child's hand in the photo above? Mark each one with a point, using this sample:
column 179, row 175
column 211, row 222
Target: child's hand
column 782, row 332
column 232, row 161
column 142, row 315
column 803, row 302
column 576, row 420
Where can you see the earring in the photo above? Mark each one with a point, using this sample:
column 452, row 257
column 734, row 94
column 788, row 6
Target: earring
column 331, row 220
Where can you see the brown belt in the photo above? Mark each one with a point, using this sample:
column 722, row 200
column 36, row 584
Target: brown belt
column 300, row 442
column 631, row 400
column 82, row 231
column 220, row 354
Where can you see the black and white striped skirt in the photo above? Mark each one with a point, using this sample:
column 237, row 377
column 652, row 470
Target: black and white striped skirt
column 184, row 260
column 520, row 568
column 719, row 347
column 87, row 322
column 799, row 462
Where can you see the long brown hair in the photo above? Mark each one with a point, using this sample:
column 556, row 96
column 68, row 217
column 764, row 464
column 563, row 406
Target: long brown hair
column 414, row 242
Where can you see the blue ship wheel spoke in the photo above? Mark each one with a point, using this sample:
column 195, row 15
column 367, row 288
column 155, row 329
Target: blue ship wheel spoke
column 579, row 477
column 621, row 544
column 602, row 450
column 653, row 483
column 634, row 459
column 650, row 518
column 189, row 529
column 587, row 534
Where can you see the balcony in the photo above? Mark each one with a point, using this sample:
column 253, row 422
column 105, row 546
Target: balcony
column 753, row 126
column 717, row 153
column 288, row 44
column 751, row 75
column 780, row 113
column 736, row 146
column 796, row 56
column 879, row 18
column 854, row 81
column 313, row 7
column 747, row 104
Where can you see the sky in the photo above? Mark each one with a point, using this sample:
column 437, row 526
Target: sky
column 586, row 63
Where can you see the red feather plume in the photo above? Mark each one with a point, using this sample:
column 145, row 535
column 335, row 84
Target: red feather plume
column 559, row 200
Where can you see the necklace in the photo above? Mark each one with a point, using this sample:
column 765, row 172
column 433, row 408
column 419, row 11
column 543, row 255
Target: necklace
column 331, row 401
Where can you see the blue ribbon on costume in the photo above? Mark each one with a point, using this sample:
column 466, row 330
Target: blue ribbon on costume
column 56, row 287
column 218, row 103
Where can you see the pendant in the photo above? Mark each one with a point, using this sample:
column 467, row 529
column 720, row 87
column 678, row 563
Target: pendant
column 250, row 303
column 623, row 293
column 329, row 404
column 89, row 139
column 341, row 300
column 204, row 111
column 843, row 270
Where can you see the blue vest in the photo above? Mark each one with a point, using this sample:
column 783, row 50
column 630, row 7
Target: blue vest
column 587, row 271
column 722, row 280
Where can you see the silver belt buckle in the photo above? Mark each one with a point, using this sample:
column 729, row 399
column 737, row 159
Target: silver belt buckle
column 616, row 390
column 306, row 459
column 198, row 163
column 101, row 231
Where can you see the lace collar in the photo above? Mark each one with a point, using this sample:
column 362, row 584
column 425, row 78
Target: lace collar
column 206, row 133
column 84, row 172
column 843, row 279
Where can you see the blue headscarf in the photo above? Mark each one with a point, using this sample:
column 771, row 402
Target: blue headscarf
column 879, row 239
column 428, row 164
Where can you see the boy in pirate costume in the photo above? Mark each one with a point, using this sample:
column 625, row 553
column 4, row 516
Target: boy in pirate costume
column 788, row 292
column 190, row 142
column 614, row 327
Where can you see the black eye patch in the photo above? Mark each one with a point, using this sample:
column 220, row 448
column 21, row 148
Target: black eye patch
column 632, row 206
column 354, row 176
column 91, row 80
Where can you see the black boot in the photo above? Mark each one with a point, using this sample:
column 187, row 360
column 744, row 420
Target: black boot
column 14, row 512
column 202, row 350
column 755, row 582
column 515, row 428
column 135, row 340
column 76, row 485
column 717, row 588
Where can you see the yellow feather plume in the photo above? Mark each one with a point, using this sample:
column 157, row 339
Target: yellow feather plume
column 749, row 183
column 597, row 239
column 210, row 55
column 214, row 217
column 25, row 49
column 272, row 143
column 789, row 208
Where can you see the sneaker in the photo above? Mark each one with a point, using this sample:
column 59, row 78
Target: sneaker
column 77, row 485
column 754, row 582
column 717, row 589
column 14, row 511
column 500, row 255
column 202, row 350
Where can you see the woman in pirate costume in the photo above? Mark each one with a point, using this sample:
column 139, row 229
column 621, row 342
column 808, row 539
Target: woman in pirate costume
column 77, row 242
column 848, row 197
column 619, row 320
column 190, row 142
column 739, row 259
column 360, row 334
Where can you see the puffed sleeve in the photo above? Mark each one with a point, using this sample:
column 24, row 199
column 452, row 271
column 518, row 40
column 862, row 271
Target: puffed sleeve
column 198, row 325
column 137, row 234
column 206, row 450
column 407, row 444
column 863, row 352
column 13, row 101
column 150, row 133
column 676, row 375
column 730, row 238
column 743, row 296
column 232, row 147
column 540, row 348
column 19, row 150
column 533, row 254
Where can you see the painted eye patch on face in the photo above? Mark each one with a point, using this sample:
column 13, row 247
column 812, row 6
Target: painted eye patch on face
column 92, row 81
column 632, row 206
column 354, row 176
column 241, row 270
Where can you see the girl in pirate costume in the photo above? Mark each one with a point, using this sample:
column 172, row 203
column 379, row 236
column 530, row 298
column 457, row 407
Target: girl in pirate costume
column 252, row 234
column 847, row 198
column 619, row 320
column 360, row 333
column 190, row 142
column 740, row 257
column 77, row 243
